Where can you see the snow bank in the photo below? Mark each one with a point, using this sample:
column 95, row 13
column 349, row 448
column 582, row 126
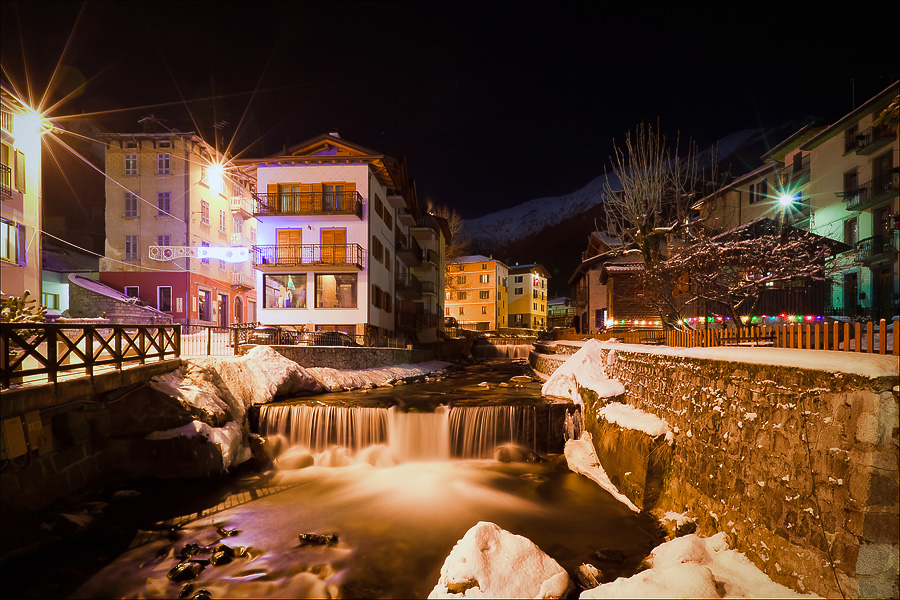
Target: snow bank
column 582, row 459
column 630, row 417
column 490, row 562
column 696, row 567
column 229, row 439
column 335, row 379
column 583, row 370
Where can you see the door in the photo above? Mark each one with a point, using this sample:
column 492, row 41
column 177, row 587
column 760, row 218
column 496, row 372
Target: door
column 238, row 310
column 287, row 247
column 851, row 294
column 334, row 246
column 881, row 173
column 223, row 310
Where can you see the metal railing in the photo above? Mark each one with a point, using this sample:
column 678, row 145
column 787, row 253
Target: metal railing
column 308, row 203
column 873, row 135
column 877, row 245
column 871, row 191
column 6, row 181
column 408, row 284
column 298, row 255
column 408, row 249
column 30, row 351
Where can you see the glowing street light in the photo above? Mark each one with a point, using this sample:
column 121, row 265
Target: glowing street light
column 216, row 172
column 786, row 199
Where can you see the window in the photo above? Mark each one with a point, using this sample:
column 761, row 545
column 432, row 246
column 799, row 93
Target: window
column 461, row 295
column 485, row 279
column 164, row 298
column 377, row 249
column 850, row 138
column 237, row 226
column 851, row 232
column 518, row 279
column 460, row 267
column 535, row 306
column 388, row 219
column 163, row 163
column 447, row 311
column 484, row 266
column 163, row 240
column 221, row 265
column 131, row 205
column 131, row 164
column 460, row 310
column 336, row 290
column 762, row 190
column 534, row 293
column 204, row 305
column 222, row 226
column 132, row 291
column 204, row 261
column 851, row 183
column 131, row 247
column 164, row 204
column 379, row 207
column 485, row 294
column 51, row 301
column 164, row 144
column 460, row 279
column 204, row 212
column 387, row 259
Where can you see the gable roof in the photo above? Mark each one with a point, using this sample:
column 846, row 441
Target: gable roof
column 878, row 101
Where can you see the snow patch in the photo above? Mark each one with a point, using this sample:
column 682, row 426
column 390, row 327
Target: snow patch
column 630, row 417
column 582, row 459
column 583, row 370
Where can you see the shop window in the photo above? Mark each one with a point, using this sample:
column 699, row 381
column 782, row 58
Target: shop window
column 284, row 291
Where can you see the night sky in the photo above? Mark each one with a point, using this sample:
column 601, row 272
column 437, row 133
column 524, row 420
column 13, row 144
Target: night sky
column 492, row 105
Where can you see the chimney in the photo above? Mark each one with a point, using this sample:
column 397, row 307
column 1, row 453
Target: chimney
column 334, row 133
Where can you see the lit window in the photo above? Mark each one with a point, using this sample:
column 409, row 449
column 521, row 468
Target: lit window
column 485, row 279
column 336, row 290
column 485, row 294
column 131, row 164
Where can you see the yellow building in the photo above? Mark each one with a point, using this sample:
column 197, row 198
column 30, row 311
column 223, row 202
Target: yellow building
column 20, row 211
column 476, row 292
column 527, row 290
column 166, row 189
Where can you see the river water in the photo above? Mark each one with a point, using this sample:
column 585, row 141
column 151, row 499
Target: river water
column 397, row 493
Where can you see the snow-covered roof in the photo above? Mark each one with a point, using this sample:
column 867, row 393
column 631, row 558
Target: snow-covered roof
column 473, row 258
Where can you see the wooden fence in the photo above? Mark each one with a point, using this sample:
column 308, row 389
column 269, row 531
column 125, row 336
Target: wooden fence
column 868, row 337
column 37, row 350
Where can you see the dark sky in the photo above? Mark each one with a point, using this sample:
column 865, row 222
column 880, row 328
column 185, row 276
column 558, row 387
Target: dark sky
column 492, row 104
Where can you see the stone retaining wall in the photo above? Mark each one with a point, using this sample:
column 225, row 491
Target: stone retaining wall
column 799, row 467
column 348, row 358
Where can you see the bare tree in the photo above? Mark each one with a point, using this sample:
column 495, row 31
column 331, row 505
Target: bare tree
column 651, row 204
column 459, row 243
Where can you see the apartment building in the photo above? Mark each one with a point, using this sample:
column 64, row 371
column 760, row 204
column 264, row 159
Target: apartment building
column 527, row 292
column 20, row 196
column 476, row 293
column 856, row 192
column 342, row 244
column 174, row 215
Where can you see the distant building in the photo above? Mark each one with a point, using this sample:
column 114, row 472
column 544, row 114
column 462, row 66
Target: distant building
column 59, row 261
column 476, row 293
column 20, row 193
column 343, row 244
column 589, row 294
column 561, row 312
column 169, row 189
column 527, row 291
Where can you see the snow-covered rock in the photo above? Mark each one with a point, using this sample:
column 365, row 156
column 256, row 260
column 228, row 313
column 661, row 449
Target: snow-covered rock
column 583, row 370
column 490, row 562
column 695, row 567
column 582, row 459
column 229, row 439
column 336, row 379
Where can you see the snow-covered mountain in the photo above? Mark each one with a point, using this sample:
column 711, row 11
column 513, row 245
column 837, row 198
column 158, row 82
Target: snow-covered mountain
column 518, row 222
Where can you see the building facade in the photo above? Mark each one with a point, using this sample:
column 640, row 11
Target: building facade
column 476, row 293
column 171, row 190
column 527, row 292
column 342, row 244
column 20, row 197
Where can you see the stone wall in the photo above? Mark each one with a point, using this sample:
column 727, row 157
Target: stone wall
column 799, row 467
column 348, row 358
column 90, row 304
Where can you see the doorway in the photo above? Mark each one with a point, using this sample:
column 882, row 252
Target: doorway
column 223, row 310
column 238, row 310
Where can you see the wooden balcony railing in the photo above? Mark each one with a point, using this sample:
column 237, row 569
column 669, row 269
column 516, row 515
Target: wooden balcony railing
column 308, row 255
column 308, row 203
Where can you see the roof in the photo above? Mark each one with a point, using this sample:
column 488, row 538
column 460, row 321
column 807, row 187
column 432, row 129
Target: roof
column 794, row 140
column 61, row 258
column 768, row 226
column 529, row 268
column 769, row 166
column 872, row 104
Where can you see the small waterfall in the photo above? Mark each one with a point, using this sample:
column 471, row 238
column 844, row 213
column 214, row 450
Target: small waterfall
column 509, row 351
column 476, row 431
column 318, row 427
column 419, row 436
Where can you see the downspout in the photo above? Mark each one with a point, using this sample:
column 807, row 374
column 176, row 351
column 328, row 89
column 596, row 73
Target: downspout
column 187, row 229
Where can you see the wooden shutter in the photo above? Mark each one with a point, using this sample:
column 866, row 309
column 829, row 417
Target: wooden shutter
column 333, row 245
column 20, row 171
column 22, row 245
column 287, row 249
column 271, row 198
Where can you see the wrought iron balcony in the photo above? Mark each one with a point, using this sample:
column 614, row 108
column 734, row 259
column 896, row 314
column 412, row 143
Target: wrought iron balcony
column 873, row 139
column 408, row 286
column 308, row 255
column 6, row 181
column 877, row 247
column 308, row 203
column 872, row 192
column 408, row 250
column 796, row 173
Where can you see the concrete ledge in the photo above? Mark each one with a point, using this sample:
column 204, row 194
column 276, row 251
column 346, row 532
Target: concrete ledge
column 18, row 401
column 348, row 358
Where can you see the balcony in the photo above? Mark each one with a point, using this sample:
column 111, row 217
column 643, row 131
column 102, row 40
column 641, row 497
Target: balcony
column 873, row 139
column 238, row 239
column 408, row 286
column 408, row 250
column 428, row 287
column 404, row 217
column 242, row 207
column 416, row 321
column 872, row 193
column 308, row 204
column 432, row 257
column 240, row 279
column 6, row 181
column 796, row 173
column 877, row 247
column 308, row 256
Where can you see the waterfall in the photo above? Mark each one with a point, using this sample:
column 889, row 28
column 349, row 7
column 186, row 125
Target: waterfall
column 318, row 427
column 419, row 436
column 508, row 351
column 476, row 431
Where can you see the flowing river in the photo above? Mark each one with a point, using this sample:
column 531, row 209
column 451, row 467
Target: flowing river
column 397, row 476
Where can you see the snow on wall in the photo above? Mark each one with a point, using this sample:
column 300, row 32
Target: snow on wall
column 583, row 370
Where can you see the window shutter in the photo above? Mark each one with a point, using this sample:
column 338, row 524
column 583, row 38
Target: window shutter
column 22, row 245
column 20, row 171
